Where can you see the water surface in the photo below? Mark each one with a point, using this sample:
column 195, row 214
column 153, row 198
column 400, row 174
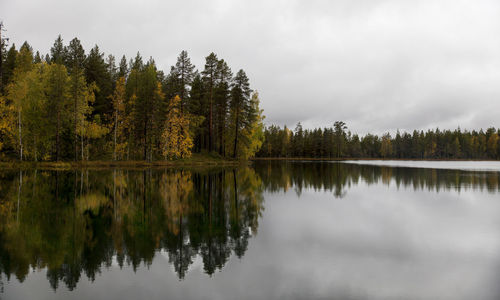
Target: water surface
column 276, row 230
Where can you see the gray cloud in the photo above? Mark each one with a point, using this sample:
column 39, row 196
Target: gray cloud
column 377, row 65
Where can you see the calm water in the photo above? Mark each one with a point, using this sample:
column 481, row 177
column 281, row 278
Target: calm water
column 276, row 230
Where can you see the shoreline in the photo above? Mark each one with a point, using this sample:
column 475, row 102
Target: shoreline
column 363, row 159
column 196, row 162
column 71, row 165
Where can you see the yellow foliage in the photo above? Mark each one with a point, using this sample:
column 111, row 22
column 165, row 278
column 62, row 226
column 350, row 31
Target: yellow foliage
column 176, row 140
column 91, row 201
column 7, row 121
column 175, row 189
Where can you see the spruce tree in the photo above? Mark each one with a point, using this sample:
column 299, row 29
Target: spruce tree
column 184, row 71
column 96, row 71
column 123, row 68
column 57, row 52
column 74, row 56
column 9, row 65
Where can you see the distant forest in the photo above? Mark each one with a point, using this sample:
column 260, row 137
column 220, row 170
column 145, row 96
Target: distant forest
column 73, row 105
column 338, row 142
column 77, row 105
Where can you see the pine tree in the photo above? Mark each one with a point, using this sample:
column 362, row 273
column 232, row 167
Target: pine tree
column 222, row 95
column 240, row 106
column 209, row 77
column 340, row 138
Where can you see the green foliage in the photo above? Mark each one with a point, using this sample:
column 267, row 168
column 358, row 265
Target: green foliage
column 96, row 70
column 73, row 106
column 334, row 142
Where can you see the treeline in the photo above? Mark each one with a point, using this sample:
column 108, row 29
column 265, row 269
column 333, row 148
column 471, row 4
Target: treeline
column 338, row 142
column 74, row 105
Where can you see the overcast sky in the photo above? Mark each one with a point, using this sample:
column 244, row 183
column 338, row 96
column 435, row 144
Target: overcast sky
column 378, row 65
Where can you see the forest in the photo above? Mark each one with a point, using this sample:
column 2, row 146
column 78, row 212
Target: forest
column 338, row 142
column 73, row 105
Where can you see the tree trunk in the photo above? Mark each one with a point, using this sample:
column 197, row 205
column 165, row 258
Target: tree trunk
column 81, row 138
column 145, row 138
column 75, row 121
column 236, row 134
column 114, row 141
column 20, row 138
column 57, row 134
column 182, row 89
column 35, row 147
column 210, row 125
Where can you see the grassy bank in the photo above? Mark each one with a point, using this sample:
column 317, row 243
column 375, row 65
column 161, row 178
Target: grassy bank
column 197, row 160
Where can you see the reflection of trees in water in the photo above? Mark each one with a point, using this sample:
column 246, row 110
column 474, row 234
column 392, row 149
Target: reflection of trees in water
column 338, row 177
column 74, row 222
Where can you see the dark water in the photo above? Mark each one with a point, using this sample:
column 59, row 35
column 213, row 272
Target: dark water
column 271, row 231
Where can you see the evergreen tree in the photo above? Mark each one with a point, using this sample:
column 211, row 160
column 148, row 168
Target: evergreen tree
column 148, row 101
column 222, row 97
column 9, row 65
column 241, row 112
column 96, row 70
column 58, row 52
column 184, row 72
column 37, row 59
column 74, row 56
column 196, row 107
column 123, row 68
column 339, row 128
column 209, row 78
column 112, row 69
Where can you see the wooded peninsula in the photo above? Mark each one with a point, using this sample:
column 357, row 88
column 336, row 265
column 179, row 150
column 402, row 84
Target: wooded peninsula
column 70, row 105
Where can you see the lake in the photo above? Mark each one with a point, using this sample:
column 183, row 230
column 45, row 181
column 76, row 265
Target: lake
column 273, row 230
